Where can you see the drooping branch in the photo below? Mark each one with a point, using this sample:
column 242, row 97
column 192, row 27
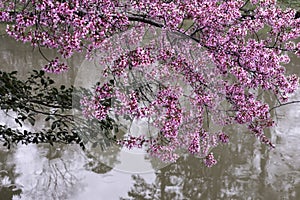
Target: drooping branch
column 137, row 18
column 284, row 104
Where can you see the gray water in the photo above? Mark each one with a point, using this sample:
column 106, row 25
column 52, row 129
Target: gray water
column 246, row 168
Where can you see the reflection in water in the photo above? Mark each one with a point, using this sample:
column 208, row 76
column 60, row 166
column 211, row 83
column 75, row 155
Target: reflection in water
column 64, row 172
column 284, row 165
column 47, row 173
column 246, row 169
column 8, row 175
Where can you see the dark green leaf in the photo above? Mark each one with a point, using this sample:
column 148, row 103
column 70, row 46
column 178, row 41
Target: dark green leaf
column 53, row 126
column 31, row 121
column 18, row 121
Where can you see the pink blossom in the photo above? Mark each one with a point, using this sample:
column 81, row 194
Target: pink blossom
column 209, row 160
column 179, row 89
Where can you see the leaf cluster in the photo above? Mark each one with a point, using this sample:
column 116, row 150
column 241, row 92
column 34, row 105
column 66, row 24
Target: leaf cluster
column 36, row 99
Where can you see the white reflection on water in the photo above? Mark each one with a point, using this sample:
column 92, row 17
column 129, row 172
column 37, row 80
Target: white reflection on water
column 64, row 175
column 61, row 172
column 284, row 164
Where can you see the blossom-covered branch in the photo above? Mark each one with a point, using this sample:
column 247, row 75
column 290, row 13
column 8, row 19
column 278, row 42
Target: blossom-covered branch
column 228, row 51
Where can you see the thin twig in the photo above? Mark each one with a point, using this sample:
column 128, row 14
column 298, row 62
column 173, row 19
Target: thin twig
column 284, row 104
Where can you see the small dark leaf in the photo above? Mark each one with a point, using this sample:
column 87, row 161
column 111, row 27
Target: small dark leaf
column 31, row 121
column 42, row 73
column 82, row 146
column 18, row 121
column 48, row 118
column 53, row 126
column 43, row 81
column 55, row 90
column 27, row 109
column 35, row 141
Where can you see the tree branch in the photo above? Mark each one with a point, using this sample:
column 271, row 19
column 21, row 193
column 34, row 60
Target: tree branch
column 284, row 104
column 145, row 20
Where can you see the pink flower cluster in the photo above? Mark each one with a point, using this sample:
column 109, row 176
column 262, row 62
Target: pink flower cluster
column 55, row 67
column 138, row 57
column 68, row 26
column 210, row 160
column 168, row 99
column 164, row 110
column 131, row 142
column 195, row 145
column 99, row 104
column 223, row 137
column 176, row 126
column 180, row 96
column 165, row 152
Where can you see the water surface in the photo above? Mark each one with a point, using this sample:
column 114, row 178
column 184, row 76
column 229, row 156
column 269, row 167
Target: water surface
column 246, row 168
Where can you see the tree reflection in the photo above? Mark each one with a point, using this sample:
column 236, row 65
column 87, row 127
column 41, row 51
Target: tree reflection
column 242, row 174
column 56, row 172
column 51, row 174
column 8, row 176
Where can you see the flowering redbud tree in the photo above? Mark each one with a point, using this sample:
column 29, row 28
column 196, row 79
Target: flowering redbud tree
column 224, row 53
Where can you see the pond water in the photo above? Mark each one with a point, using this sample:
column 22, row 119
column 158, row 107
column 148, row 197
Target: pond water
column 246, row 168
